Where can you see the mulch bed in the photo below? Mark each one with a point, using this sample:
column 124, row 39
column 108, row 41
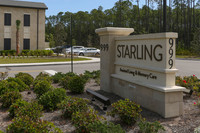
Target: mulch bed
column 183, row 124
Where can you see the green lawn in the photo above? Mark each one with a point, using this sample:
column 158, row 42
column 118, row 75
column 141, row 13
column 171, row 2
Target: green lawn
column 37, row 60
column 187, row 57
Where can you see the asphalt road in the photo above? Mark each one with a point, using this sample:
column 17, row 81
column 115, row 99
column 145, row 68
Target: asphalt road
column 186, row 68
column 35, row 70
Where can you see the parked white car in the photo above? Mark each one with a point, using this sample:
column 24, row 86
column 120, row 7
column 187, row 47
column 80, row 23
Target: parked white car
column 89, row 52
column 75, row 49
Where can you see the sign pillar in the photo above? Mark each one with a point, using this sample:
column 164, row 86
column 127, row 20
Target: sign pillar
column 141, row 68
column 107, row 47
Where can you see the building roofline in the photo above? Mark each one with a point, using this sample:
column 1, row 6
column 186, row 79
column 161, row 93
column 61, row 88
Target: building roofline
column 23, row 4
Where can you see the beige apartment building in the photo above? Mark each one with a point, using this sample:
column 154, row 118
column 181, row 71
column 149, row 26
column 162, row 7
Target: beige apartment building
column 32, row 27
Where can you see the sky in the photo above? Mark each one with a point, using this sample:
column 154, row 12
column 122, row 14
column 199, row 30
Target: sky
column 56, row 6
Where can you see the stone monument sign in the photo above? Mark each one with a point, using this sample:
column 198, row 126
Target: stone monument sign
column 141, row 68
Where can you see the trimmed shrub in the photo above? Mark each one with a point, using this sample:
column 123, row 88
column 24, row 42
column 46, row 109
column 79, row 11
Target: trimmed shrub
column 64, row 82
column 32, row 110
column 9, row 98
column 106, row 127
column 76, row 84
column 8, row 52
column 73, row 104
column 42, row 87
column 15, row 106
column 57, row 77
column 13, row 86
column 49, row 52
column 71, row 74
column 50, row 99
column 6, row 86
column 42, row 76
column 22, row 85
column 3, row 86
column 82, row 120
column 128, row 111
column 24, row 124
column 25, row 77
column 31, row 52
column 92, row 75
column 150, row 127
column 25, row 52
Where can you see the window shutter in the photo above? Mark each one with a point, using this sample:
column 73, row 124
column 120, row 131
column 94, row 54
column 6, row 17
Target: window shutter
column 7, row 19
column 7, row 44
column 26, row 20
column 26, row 44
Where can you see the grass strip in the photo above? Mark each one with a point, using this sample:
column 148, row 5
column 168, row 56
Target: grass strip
column 37, row 60
column 187, row 57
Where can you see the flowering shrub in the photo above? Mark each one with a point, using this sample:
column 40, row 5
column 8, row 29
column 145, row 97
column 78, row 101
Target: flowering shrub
column 189, row 82
column 197, row 103
column 42, row 87
column 50, row 99
column 128, row 111
column 82, row 120
column 148, row 127
column 15, row 106
column 25, row 77
column 24, row 124
column 9, row 98
column 73, row 104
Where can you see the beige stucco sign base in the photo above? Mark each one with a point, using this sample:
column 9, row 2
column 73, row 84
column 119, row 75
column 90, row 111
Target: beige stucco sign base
column 141, row 68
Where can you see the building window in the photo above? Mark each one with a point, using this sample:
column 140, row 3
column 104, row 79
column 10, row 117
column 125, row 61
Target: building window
column 7, row 44
column 26, row 20
column 7, row 19
column 27, row 44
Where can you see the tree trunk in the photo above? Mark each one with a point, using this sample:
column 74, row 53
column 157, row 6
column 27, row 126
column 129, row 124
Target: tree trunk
column 17, row 42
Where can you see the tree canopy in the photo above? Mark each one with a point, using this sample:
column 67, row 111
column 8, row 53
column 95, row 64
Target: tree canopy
column 183, row 17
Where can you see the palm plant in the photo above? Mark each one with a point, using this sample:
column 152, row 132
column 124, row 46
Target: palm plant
column 17, row 36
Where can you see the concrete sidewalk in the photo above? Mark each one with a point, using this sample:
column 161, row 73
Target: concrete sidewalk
column 93, row 60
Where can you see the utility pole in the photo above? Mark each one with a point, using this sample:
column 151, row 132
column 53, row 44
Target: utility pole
column 164, row 15
column 71, row 43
